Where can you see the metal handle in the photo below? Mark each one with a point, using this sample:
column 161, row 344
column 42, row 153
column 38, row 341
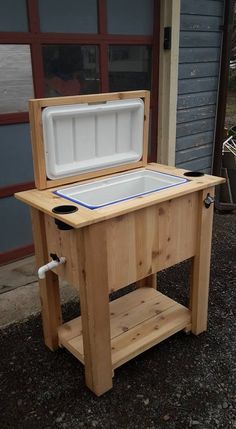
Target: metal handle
column 54, row 257
column 208, row 201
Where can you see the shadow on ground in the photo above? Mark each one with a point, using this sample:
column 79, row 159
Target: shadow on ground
column 184, row 382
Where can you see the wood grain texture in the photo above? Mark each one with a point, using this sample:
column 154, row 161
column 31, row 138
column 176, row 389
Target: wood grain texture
column 63, row 243
column 137, row 244
column 150, row 281
column 94, row 304
column 48, row 287
column 37, row 145
column 202, row 7
column 201, row 265
column 46, row 200
column 200, row 55
column 205, row 23
column 195, row 140
column 146, row 241
column 187, row 86
column 193, row 153
column 119, row 245
column 138, row 321
column 199, row 164
column 200, row 38
column 196, row 113
column 194, row 127
column 197, row 70
column 196, row 55
column 114, row 246
column 196, row 100
column 146, row 127
column 90, row 98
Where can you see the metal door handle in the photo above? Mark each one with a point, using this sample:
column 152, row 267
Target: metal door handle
column 208, row 201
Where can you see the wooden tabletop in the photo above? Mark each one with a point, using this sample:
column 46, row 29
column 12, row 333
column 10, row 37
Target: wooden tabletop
column 46, row 200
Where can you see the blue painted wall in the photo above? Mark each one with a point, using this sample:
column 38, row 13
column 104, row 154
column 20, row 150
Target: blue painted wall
column 199, row 64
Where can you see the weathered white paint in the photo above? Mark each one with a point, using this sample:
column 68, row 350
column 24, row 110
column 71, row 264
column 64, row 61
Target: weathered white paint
column 168, row 82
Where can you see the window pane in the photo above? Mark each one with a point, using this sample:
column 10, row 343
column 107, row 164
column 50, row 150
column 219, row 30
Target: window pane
column 68, row 16
column 13, row 15
column 16, row 85
column 15, row 224
column 15, row 146
column 70, row 70
column 129, row 67
column 130, row 16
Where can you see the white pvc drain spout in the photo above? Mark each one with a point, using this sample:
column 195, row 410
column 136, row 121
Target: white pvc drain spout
column 47, row 267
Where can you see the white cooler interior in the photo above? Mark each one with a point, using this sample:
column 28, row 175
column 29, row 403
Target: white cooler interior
column 86, row 137
column 119, row 187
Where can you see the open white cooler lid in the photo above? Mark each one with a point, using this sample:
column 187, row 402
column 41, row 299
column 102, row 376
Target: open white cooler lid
column 87, row 137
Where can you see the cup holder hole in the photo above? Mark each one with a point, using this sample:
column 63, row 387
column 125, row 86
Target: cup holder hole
column 64, row 209
column 193, row 174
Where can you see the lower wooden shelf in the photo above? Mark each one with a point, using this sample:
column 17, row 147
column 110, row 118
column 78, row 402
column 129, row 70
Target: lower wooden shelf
column 138, row 321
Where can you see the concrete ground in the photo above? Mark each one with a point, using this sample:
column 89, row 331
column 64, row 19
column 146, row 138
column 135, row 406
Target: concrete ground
column 184, row 382
column 19, row 297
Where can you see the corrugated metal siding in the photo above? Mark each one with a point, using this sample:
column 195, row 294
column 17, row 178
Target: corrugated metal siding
column 199, row 63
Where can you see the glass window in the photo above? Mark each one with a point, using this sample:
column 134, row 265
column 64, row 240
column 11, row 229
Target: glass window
column 70, row 70
column 68, row 16
column 13, row 15
column 16, row 85
column 15, row 224
column 16, row 159
column 130, row 17
column 129, row 67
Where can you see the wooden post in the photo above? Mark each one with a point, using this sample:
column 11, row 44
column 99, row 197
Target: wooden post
column 94, row 304
column 48, row 287
column 150, row 281
column 201, row 265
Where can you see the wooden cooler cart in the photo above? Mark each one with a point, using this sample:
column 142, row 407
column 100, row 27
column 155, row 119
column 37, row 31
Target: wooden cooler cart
column 114, row 245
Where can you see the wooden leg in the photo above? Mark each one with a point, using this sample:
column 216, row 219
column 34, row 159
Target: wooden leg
column 201, row 266
column 48, row 287
column 150, row 281
column 94, row 303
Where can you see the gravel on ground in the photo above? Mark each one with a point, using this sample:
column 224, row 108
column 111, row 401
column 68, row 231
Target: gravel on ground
column 184, row 382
